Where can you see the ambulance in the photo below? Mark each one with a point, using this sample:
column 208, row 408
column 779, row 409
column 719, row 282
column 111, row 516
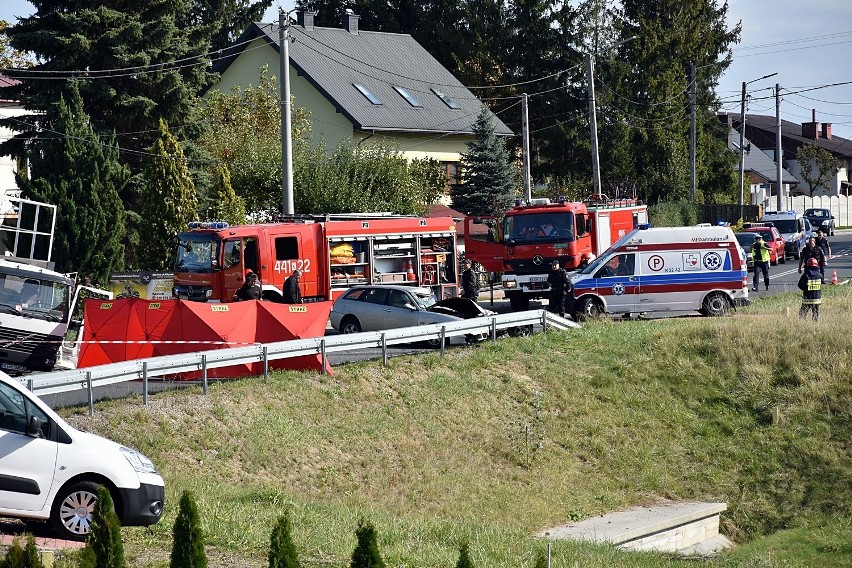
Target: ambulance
column 669, row 269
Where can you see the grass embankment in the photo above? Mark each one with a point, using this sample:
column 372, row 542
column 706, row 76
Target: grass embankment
column 495, row 442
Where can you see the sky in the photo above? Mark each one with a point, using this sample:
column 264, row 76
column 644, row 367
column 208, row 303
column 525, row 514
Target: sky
column 806, row 42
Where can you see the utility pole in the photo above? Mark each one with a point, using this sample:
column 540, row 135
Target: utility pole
column 287, row 206
column 593, row 124
column 692, row 136
column 525, row 121
column 742, row 147
column 778, row 155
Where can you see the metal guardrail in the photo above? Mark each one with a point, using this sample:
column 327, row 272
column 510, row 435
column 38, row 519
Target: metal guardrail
column 102, row 375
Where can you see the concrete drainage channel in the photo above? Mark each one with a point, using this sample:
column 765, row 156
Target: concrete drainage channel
column 686, row 528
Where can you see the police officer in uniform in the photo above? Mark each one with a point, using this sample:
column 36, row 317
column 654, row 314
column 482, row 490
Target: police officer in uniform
column 560, row 291
column 761, row 261
column 470, row 281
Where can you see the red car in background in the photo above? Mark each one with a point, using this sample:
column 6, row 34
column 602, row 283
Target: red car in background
column 773, row 240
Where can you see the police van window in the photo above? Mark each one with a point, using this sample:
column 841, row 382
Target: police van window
column 286, row 248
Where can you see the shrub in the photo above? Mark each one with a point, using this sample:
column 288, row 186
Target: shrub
column 188, row 545
column 366, row 553
column 104, row 548
column 282, row 551
column 22, row 557
column 464, row 557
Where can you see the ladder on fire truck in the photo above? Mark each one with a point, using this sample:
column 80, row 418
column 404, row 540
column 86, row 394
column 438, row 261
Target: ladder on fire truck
column 26, row 230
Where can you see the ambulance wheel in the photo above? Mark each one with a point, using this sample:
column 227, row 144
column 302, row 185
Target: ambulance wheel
column 591, row 308
column 350, row 324
column 519, row 302
column 715, row 304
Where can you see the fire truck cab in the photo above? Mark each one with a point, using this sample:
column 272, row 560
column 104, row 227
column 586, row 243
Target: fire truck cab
column 532, row 235
column 333, row 253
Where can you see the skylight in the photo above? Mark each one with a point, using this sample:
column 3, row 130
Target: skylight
column 368, row 94
column 446, row 99
column 406, row 94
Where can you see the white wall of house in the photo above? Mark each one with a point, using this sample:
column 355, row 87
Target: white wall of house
column 832, row 188
column 8, row 166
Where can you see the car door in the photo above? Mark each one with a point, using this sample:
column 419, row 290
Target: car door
column 617, row 281
column 401, row 310
column 27, row 464
column 371, row 310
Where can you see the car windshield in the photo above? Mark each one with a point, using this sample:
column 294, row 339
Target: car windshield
column 196, row 254
column 745, row 240
column 424, row 299
column 786, row 225
column 539, row 227
column 822, row 213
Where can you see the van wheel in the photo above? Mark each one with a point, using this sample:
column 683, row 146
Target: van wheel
column 350, row 324
column 71, row 517
column 715, row 304
column 591, row 308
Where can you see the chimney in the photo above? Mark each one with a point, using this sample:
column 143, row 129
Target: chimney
column 306, row 20
column 826, row 130
column 350, row 23
column 811, row 129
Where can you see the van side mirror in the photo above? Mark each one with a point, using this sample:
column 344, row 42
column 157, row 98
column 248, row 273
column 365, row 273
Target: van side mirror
column 34, row 427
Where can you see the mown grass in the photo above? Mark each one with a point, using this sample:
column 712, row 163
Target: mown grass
column 493, row 443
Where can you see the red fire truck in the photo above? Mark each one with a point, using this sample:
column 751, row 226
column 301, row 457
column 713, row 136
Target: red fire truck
column 333, row 252
column 534, row 234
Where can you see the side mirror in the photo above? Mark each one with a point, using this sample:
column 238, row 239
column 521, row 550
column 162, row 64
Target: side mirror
column 511, row 242
column 588, row 226
column 34, row 427
column 410, row 307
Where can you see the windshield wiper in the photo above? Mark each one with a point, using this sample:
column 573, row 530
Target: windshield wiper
column 43, row 313
column 9, row 309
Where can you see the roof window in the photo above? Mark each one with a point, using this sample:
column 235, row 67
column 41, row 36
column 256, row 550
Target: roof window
column 368, row 94
column 406, row 94
column 446, row 99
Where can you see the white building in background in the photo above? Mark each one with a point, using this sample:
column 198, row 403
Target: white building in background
column 8, row 165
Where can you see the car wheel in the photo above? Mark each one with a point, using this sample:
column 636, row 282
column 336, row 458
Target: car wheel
column 782, row 258
column 591, row 308
column 436, row 342
column 521, row 331
column 715, row 304
column 71, row 517
column 350, row 324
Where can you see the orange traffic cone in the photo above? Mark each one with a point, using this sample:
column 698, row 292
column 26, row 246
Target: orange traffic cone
column 410, row 272
column 834, row 278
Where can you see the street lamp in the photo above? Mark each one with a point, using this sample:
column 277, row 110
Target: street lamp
column 742, row 136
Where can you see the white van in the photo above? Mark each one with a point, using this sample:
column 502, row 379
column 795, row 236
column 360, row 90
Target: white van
column 50, row 471
column 665, row 269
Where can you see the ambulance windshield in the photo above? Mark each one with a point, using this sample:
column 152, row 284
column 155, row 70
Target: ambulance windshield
column 539, row 227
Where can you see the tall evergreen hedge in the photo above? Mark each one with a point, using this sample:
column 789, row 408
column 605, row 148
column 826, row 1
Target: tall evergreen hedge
column 188, row 540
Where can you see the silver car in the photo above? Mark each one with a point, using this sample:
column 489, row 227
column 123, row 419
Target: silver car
column 373, row 308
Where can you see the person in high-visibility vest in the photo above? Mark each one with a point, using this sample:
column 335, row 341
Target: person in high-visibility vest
column 761, row 261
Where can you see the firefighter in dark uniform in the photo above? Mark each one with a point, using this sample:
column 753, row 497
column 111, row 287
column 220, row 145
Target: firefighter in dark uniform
column 810, row 284
column 561, row 298
column 810, row 251
column 470, row 281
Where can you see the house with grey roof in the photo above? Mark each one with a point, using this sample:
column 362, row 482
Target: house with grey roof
column 760, row 171
column 363, row 87
column 761, row 131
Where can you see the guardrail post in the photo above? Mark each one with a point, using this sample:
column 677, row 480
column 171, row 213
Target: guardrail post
column 544, row 320
column 494, row 329
column 384, row 351
column 145, row 383
column 91, row 393
column 443, row 339
column 204, row 374
column 322, row 355
column 265, row 363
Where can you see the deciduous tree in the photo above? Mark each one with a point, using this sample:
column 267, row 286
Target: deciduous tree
column 818, row 166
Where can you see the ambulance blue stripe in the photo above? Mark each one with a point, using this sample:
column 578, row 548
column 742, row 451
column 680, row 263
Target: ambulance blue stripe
column 669, row 278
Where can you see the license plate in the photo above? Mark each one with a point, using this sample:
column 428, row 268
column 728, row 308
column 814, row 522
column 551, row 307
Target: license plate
column 538, row 278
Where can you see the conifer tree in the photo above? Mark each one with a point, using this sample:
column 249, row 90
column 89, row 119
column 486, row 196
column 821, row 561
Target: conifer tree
column 169, row 200
column 79, row 172
column 282, row 551
column 225, row 205
column 18, row 556
column 104, row 548
column 489, row 178
column 464, row 557
column 188, row 540
column 540, row 560
column 366, row 553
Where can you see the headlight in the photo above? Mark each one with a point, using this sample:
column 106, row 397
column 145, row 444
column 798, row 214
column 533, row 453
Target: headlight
column 138, row 461
column 510, row 284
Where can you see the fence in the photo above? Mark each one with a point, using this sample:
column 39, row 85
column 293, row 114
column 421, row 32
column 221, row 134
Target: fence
column 89, row 378
column 839, row 205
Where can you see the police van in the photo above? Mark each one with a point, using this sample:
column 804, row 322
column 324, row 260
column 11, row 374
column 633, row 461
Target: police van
column 665, row 270
column 794, row 228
